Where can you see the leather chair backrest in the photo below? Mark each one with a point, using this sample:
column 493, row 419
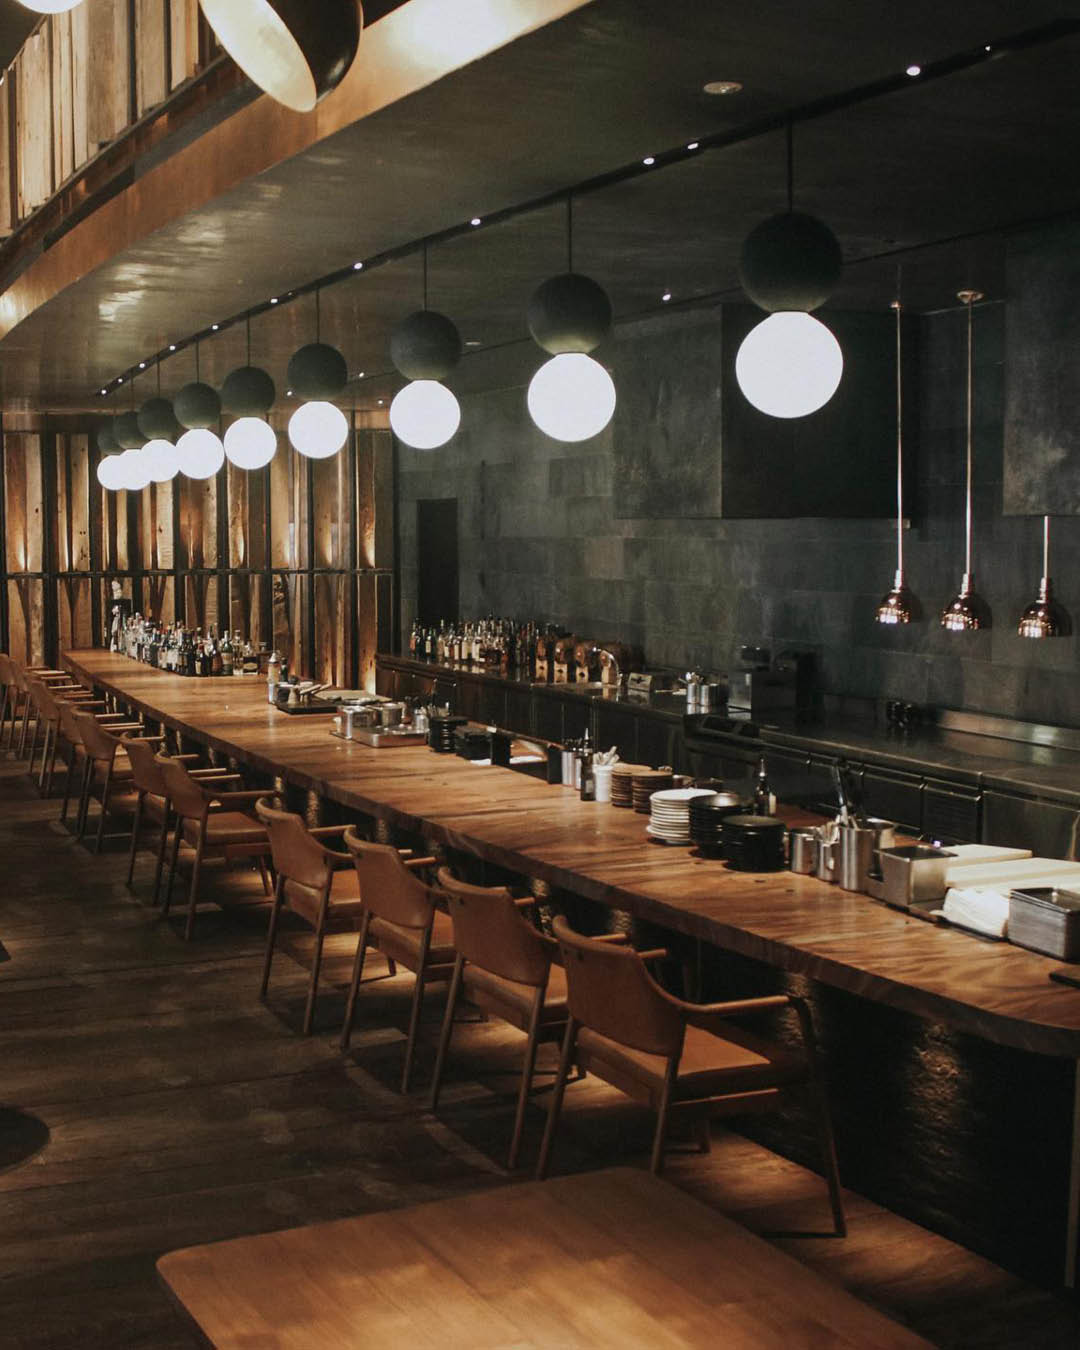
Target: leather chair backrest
column 145, row 771
column 7, row 674
column 98, row 743
column 297, row 856
column 387, row 888
column 43, row 699
column 187, row 796
column 610, row 991
column 490, row 932
column 68, row 724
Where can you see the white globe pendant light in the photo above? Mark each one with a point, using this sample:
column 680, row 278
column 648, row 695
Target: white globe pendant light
column 162, row 459
column 318, row 430
column 789, row 365
column 133, row 472
column 425, row 414
column 250, row 443
column 109, row 472
column 201, row 453
column 571, row 397
column 49, row 6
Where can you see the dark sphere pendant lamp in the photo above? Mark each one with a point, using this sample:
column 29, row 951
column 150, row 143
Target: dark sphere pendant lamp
column 571, row 397
column 1045, row 618
column 158, row 423
column 790, row 364
column 248, row 393
column 198, row 407
column 899, row 606
column 967, row 611
column 296, row 51
column 425, row 347
column 317, row 374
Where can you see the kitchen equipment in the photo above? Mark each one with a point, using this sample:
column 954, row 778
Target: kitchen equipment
column 1046, row 919
column 379, row 738
column 860, row 839
column 644, row 783
column 470, row 743
column 827, row 846
column 913, row 874
column 802, row 851
column 390, row 714
column 753, row 843
column 603, row 773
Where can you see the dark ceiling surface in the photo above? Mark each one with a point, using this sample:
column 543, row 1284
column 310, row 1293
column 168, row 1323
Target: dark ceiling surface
column 16, row 22
column 931, row 175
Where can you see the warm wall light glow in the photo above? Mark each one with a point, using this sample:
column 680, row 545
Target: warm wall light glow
column 571, row 397
column 201, row 453
column 162, row 460
column 318, row 430
column 789, row 365
column 425, row 414
column 250, row 443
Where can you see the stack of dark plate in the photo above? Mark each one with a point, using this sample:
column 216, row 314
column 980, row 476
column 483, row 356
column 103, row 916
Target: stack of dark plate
column 471, row 743
column 644, row 783
column 707, row 816
column 441, row 733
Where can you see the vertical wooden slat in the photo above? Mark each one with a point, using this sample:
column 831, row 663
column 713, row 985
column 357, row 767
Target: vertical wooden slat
column 108, row 70
column 7, row 198
column 50, row 598
column 184, row 40
column 151, row 80
column 33, row 98
column 4, row 635
column 62, row 102
column 80, row 84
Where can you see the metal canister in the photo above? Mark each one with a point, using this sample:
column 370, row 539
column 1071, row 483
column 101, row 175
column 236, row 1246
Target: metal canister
column 803, row 851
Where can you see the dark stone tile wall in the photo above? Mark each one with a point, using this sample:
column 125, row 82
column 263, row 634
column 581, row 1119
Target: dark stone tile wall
column 539, row 537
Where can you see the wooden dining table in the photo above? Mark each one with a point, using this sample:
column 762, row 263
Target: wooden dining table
column 797, row 923
column 611, row 1260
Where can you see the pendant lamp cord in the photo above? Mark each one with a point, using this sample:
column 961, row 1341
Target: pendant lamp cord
column 425, row 273
column 899, row 440
column 569, row 231
column 1046, row 546
column 318, row 314
column 790, row 130
column 247, row 326
column 970, row 433
column 159, row 376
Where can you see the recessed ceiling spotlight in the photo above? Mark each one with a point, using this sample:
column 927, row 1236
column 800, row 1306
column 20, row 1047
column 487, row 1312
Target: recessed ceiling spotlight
column 913, row 71
column 987, row 47
column 358, row 267
column 472, row 342
column 649, row 159
column 288, row 393
column 721, row 87
column 214, row 327
column 359, row 374
column 666, row 297
column 693, row 145
column 172, row 346
column 142, row 365
column 104, row 391
column 120, row 380
column 475, row 220
column 380, row 403
column 273, row 299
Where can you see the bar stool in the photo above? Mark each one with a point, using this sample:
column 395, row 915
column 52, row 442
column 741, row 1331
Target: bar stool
column 310, row 883
column 46, row 698
column 399, row 918
column 22, row 674
column 210, row 822
column 105, row 766
column 152, row 797
column 76, row 752
column 10, row 697
column 680, row 1057
column 504, row 964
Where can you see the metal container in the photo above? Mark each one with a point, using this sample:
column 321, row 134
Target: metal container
column 913, row 874
column 826, row 849
column 803, row 851
column 858, row 844
column 389, row 714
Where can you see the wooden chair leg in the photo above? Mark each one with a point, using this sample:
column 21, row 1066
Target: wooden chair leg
column 526, row 1079
column 446, row 1032
column 414, row 1016
column 656, row 1162
column 172, row 866
column 313, row 984
column 69, row 780
column 354, row 985
column 52, row 761
column 136, row 825
column 104, row 807
column 44, row 767
column 3, row 711
column 162, row 843
column 819, row 1105
column 271, row 936
column 25, row 727
column 391, row 966
column 84, row 797
column 193, row 893
column 555, row 1105
column 33, row 747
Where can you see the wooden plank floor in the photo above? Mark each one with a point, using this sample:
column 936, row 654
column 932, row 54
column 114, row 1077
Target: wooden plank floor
column 180, row 1111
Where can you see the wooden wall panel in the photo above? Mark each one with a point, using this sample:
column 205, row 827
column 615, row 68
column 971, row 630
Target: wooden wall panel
column 7, row 205
column 79, row 472
column 108, row 71
column 22, row 501
column 74, row 612
column 184, row 25
column 287, row 515
column 63, row 138
column 80, row 84
column 151, row 76
column 26, row 620
column 34, row 122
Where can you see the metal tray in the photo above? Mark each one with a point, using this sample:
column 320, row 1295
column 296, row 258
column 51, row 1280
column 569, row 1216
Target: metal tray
column 378, row 738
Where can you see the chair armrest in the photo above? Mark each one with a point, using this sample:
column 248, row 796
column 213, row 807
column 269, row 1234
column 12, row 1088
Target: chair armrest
column 120, row 726
column 149, row 739
column 654, row 954
column 525, row 902
column 227, row 799
column 187, row 759
column 621, row 940
column 737, row 1007
column 419, row 862
column 215, row 776
column 327, row 832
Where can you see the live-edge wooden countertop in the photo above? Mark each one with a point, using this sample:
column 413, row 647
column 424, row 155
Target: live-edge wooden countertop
column 797, row 923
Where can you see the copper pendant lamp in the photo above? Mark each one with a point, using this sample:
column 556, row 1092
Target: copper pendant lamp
column 296, row 51
column 967, row 611
column 1045, row 618
column 899, row 605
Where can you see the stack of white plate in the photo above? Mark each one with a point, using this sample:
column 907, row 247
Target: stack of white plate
column 669, row 809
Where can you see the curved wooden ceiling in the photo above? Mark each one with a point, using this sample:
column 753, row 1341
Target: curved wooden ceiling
column 601, row 86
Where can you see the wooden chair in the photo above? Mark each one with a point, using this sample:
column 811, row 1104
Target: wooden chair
column 106, row 767
column 46, row 699
column 9, row 700
column 401, row 919
column 22, row 674
column 210, row 821
column 152, row 796
column 311, row 882
column 504, row 965
column 680, row 1057
column 76, row 752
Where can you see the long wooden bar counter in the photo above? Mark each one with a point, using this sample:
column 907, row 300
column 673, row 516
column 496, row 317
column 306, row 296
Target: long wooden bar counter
column 796, row 923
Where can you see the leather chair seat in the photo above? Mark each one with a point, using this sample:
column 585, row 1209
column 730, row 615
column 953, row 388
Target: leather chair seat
column 512, row 1001
column 403, row 944
column 710, row 1066
column 121, row 770
column 346, row 907
column 154, row 807
column 227, row 827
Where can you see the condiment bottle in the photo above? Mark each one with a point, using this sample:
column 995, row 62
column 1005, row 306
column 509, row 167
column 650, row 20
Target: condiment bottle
column 588, row 777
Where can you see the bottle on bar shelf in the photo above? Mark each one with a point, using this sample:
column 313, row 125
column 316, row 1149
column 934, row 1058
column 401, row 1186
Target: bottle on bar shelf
column 185, row 651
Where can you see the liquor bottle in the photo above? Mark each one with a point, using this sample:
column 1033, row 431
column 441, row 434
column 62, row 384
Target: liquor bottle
column 251, row 659
column 226, row 654
column 764, row 801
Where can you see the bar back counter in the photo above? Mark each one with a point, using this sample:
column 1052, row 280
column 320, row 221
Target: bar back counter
column 952, row 1061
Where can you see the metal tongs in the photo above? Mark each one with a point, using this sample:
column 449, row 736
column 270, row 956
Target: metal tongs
column 849, row 813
